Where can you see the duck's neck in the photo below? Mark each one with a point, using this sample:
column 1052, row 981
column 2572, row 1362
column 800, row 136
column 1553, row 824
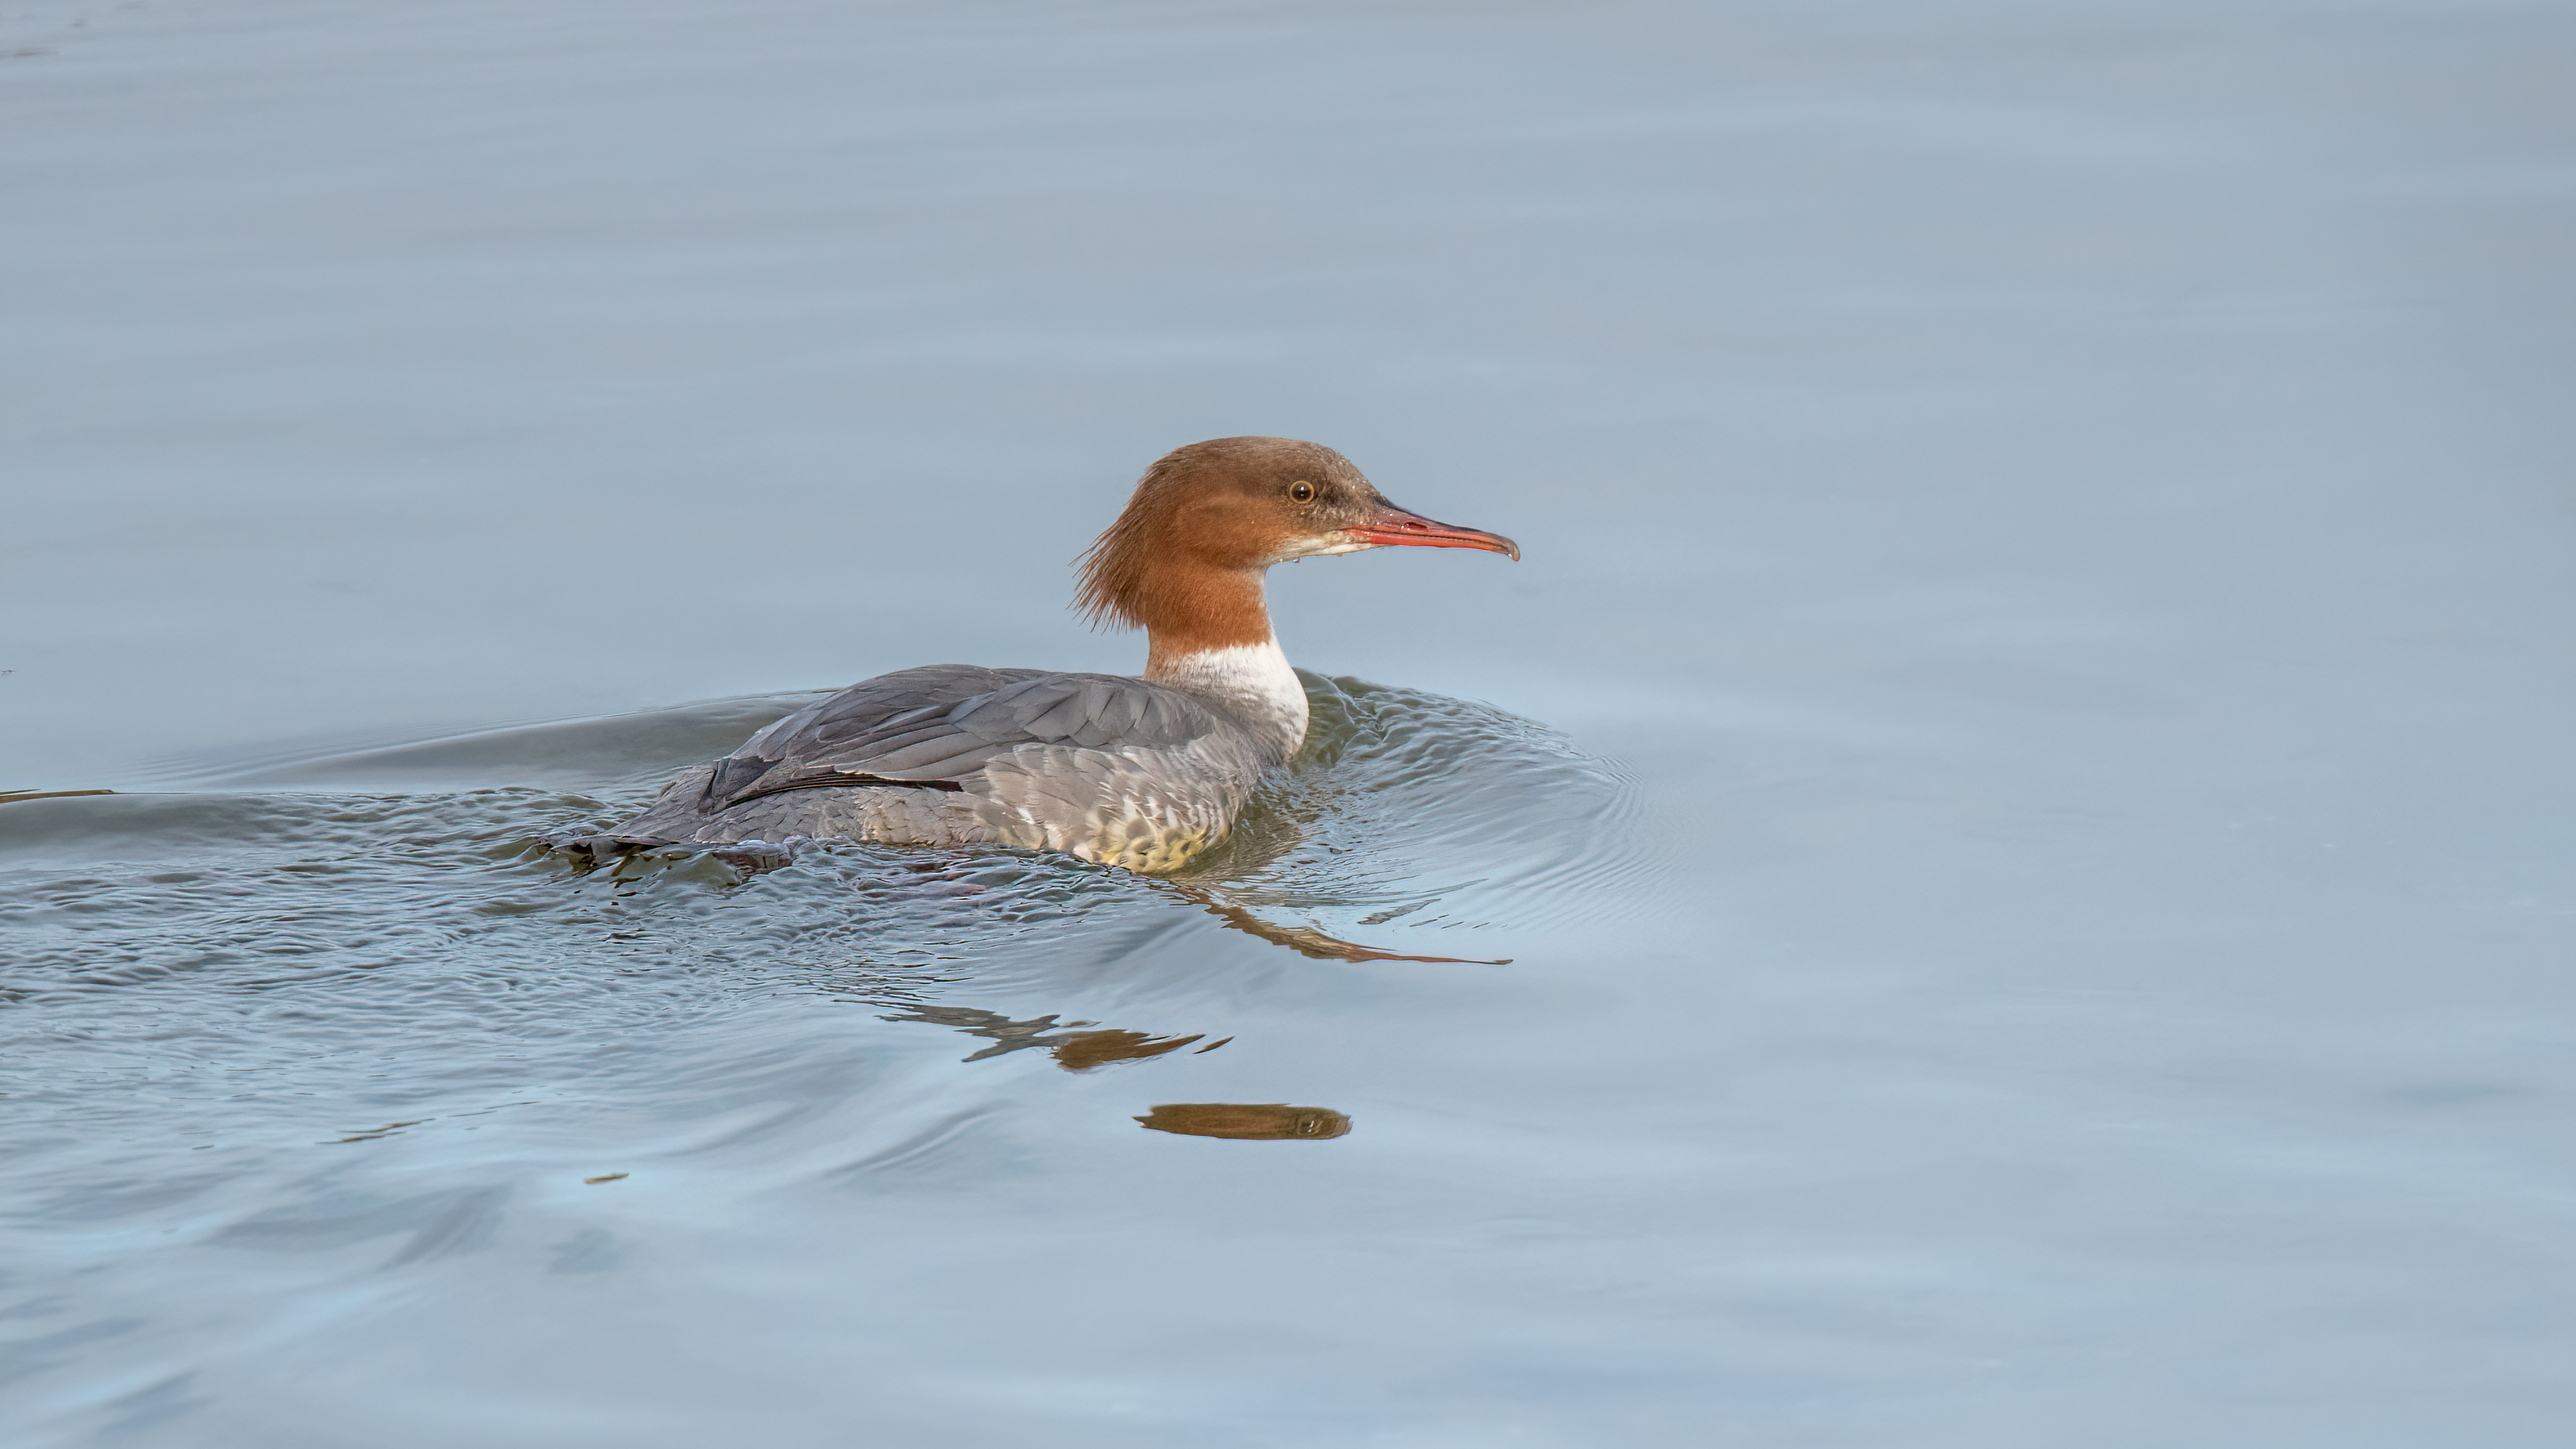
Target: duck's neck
column 1208, row 635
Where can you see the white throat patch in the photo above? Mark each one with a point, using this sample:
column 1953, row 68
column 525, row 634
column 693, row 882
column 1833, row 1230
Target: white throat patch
column 1252, row 680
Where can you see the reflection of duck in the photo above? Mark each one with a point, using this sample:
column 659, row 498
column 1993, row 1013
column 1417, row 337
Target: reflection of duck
column 1075, row 1051
column 1248, row 1121
column 1082, row 1051
column 1135, row 772
column 1308, row 941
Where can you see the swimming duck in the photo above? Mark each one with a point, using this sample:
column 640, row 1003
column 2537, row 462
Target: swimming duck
column 1141, row 772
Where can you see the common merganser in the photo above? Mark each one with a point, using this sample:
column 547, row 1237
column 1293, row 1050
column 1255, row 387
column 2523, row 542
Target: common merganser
column 1141, row 773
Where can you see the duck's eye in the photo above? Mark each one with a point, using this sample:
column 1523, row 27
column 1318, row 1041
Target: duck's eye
column 1301, row 491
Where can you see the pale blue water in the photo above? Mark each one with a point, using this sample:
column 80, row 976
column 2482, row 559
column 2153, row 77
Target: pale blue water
column 2023, row 781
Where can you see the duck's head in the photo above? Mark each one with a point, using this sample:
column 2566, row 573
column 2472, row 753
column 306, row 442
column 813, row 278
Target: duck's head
column 1239, row 505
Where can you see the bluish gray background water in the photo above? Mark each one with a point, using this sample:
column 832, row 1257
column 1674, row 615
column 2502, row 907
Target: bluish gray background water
column 2044, row 916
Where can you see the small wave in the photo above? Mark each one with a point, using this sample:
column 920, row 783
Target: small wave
column 1432, row 811
column 277, row 935
column 604, row 750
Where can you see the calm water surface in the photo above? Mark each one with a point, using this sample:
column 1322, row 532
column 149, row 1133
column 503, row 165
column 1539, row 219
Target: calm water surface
column 2023, row 785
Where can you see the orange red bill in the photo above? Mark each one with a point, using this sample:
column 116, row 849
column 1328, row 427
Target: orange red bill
column 1398, row 527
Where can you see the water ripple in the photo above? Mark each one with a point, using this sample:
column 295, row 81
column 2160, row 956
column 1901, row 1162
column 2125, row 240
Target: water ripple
column 353, row 967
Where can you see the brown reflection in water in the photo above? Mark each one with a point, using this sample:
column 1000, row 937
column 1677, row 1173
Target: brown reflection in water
column 1083, row 1050
column 1075, row 1051
column 1247, row 1121
column 1307, row 941
column 11, row 797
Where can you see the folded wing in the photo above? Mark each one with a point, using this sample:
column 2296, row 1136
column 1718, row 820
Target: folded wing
column 1104, row 766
